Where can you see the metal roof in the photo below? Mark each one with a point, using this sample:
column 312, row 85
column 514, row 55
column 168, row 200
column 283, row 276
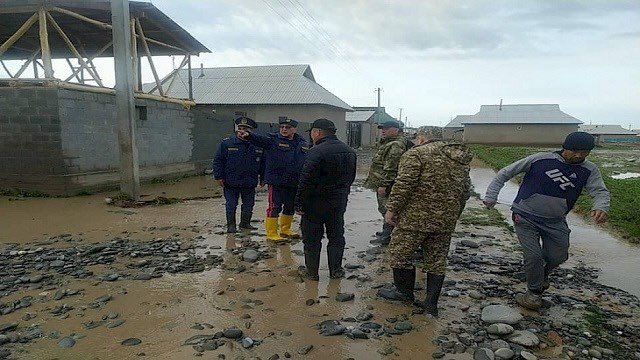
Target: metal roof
column 255, row 85
column 89, row 37
column 360, row 116
column 606, row 130
column 521, row 114
column 456, row 122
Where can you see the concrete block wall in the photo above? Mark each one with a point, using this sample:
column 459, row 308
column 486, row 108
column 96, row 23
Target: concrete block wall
column 30, row 142
column 90, row 135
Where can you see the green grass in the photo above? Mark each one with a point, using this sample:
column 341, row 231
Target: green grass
column 624, row 215
column 484, row 217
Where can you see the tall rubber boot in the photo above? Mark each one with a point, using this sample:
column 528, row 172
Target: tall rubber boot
column 312, row 264
column 434, row 288
column 231, row 223
column 245, row 221
column 271, row 226
column 285, row 227
column 334, row 257
column 404, row 281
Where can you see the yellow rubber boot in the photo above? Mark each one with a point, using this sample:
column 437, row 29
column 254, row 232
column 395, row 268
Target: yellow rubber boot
column 271, row 225
column 285, row 227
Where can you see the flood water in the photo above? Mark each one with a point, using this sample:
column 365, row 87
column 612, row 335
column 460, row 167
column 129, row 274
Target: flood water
column 618, row 259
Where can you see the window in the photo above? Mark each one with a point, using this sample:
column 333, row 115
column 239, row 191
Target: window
column 141, row 112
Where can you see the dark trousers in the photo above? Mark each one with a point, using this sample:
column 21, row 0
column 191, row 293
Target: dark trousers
column 320, row 216
column 281, row 199
column 231, row 195
column 544, row 246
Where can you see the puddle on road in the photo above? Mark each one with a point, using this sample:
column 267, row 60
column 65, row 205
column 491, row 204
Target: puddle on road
column 34, row 219
column 161, row 311
column 629, row 175
column 618, row 259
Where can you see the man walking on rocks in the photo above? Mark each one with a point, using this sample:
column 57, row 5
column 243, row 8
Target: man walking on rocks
column 549, row 190
column 425, row 203
column 325, row 183
column 384, row 169
column 285, row 152
column 237, row 166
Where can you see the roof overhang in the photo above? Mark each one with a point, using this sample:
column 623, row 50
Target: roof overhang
column 88, row 36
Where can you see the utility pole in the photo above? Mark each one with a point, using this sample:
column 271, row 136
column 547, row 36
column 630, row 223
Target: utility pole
column 378, row 90
column 400, row 117
column 125, row 102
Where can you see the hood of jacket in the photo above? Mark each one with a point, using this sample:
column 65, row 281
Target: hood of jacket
column 457, row 152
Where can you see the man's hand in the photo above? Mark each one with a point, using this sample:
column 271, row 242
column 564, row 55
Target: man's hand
column 391, row 218
column 599, row 216
column 489, row 204
column 382, row 191
column 220, row 182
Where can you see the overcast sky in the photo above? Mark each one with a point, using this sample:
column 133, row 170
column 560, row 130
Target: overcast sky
column 436, row 59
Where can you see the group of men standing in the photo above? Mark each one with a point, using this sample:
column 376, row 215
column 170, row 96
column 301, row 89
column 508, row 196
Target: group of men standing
column 313, row 182
column 421, row 187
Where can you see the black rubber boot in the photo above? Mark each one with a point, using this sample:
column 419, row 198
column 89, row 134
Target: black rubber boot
column 231, row 223
column 385, row 237
column 245, row 221
column 404, row 281
column 434, row 288
column 312, row 264
column 334, row 257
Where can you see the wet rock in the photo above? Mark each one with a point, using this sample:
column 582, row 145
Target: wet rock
column 286, row 333
column 115, row 323
column 595, row 353
column 470, row 244
column 58, row 295
column 357, row 334
column 247, row 342
column 57, row 264
column 500, row 329
column 483, row 354
column 66, row 342
column 453, row 293
column 437, row 355
column 342, row 297
column 143, row 276
column 197, row 339
column 3, row 339
column 232, row 333
column 310, row 302
column 103, row 299
column 36, row 279
column 4, row 353
column 250, row 255
column 131, row 342
column 499, row 344
column 331, row 328
column 476, row 295
column 364, row 316
column 528, row 356
column 404, row 326
column 524, row 338
column 500, row 314
column 305, row 349
column 504, row 354
column 7, row 327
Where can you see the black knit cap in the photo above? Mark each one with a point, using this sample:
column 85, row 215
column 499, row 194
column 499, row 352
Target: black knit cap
column 579, row 140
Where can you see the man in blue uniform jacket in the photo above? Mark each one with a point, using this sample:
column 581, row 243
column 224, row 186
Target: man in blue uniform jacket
column 549, row 190
column 238, row 166
column 285, row 152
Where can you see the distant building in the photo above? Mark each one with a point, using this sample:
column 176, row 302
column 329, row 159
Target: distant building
column 362, row 125
column 522, row 124
column 263, row 93
column 610, row 133
column 454, row 129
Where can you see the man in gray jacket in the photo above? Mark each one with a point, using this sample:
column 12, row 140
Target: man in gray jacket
column 549, row 190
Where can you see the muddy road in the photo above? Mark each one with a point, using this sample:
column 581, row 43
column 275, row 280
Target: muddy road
column 84, row 280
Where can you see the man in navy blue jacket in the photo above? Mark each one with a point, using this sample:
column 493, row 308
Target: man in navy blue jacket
column 549, row 190
column 238, row 166
column 285, row 152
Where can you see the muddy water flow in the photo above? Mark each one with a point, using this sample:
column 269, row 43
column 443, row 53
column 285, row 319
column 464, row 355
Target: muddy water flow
column 618, row 259
column 265, row 300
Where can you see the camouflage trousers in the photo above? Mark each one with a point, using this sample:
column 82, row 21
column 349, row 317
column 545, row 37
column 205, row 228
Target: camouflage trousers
column 404, row 243
column 382, row 203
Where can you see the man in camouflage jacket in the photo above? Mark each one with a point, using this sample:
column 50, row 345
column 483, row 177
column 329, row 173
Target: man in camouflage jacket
column 384, row 169
column 428, row 196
